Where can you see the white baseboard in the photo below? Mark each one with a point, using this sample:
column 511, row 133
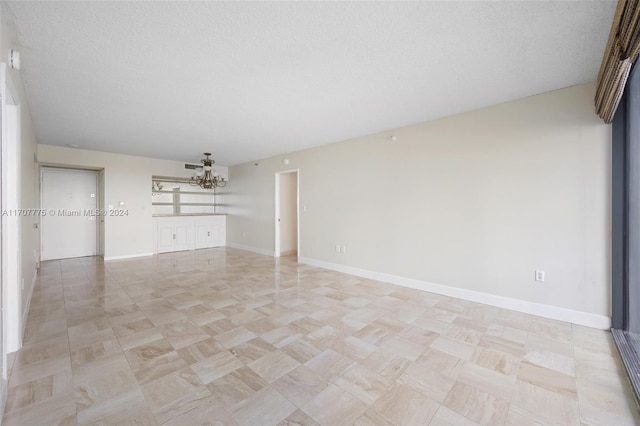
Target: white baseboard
column 553, row 312
column 270, row 253
column 128, row 256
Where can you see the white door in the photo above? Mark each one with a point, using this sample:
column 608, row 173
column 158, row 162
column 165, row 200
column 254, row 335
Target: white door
column 286, row 213
column 68, row 228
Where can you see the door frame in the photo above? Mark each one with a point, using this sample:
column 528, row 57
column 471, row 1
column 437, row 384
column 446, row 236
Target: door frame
column 10, row 294
column 277, row 251
column 99, row 201
column 102, row 217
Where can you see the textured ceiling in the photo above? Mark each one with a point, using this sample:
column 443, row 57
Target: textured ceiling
column 249, row 80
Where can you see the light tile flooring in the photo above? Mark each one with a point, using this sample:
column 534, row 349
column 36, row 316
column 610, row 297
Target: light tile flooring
column 223, row 336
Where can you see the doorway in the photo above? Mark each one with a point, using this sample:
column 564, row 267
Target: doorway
column 70, row 226
column 625, row 227
column 287, row 214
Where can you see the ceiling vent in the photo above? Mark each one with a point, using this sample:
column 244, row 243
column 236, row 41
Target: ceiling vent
column 192, row 166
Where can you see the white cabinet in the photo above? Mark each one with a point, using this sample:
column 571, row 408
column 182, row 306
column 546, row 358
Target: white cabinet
column 208, row 234
column 176, row 233
column 211, row 231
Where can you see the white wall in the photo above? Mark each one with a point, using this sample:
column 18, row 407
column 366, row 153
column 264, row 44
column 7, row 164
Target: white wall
column 126, row 178
column 28, row 171
column 17, row 306
column 475, row 202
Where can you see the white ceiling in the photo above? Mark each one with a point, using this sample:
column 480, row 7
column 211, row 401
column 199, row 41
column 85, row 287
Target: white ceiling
column 249, row 80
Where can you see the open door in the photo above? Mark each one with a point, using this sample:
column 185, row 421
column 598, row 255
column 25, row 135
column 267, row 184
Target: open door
column 287, row 218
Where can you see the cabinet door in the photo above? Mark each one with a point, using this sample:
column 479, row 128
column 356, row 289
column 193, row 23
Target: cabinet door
column 165, row 238
column 203, row 235
column 216, row 235
column 183, row 236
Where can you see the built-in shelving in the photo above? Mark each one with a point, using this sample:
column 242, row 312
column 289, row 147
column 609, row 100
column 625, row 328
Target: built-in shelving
column 175, row 196
column 185, row 204
column 172, row 192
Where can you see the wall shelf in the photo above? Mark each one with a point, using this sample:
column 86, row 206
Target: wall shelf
column 184, row 204
column 182, row 192
column 177, row 197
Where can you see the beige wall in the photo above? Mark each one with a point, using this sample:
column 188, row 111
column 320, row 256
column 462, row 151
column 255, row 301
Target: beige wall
column 126, row 178
column 475, row 201
column 288, row 213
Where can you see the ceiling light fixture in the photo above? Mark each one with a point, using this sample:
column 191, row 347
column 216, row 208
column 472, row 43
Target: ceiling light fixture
column 156, row 186
column 205, row 178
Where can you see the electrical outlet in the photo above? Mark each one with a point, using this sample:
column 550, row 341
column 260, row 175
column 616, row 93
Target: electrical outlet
column 337, row 248
column 344, row 249
column 539, row 275
column 244, row 234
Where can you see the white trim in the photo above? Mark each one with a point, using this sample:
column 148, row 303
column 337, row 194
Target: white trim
column 100, row 243
column 554, row 312
column 276, row 249
column 12, row 231
column 128, row 256
column 298, row 212
column 4, row 373
column 252, row 249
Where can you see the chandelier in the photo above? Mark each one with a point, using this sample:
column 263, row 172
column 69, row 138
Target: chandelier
column 205, row 178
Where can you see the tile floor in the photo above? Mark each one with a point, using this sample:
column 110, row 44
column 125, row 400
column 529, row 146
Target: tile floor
column 223, row 336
